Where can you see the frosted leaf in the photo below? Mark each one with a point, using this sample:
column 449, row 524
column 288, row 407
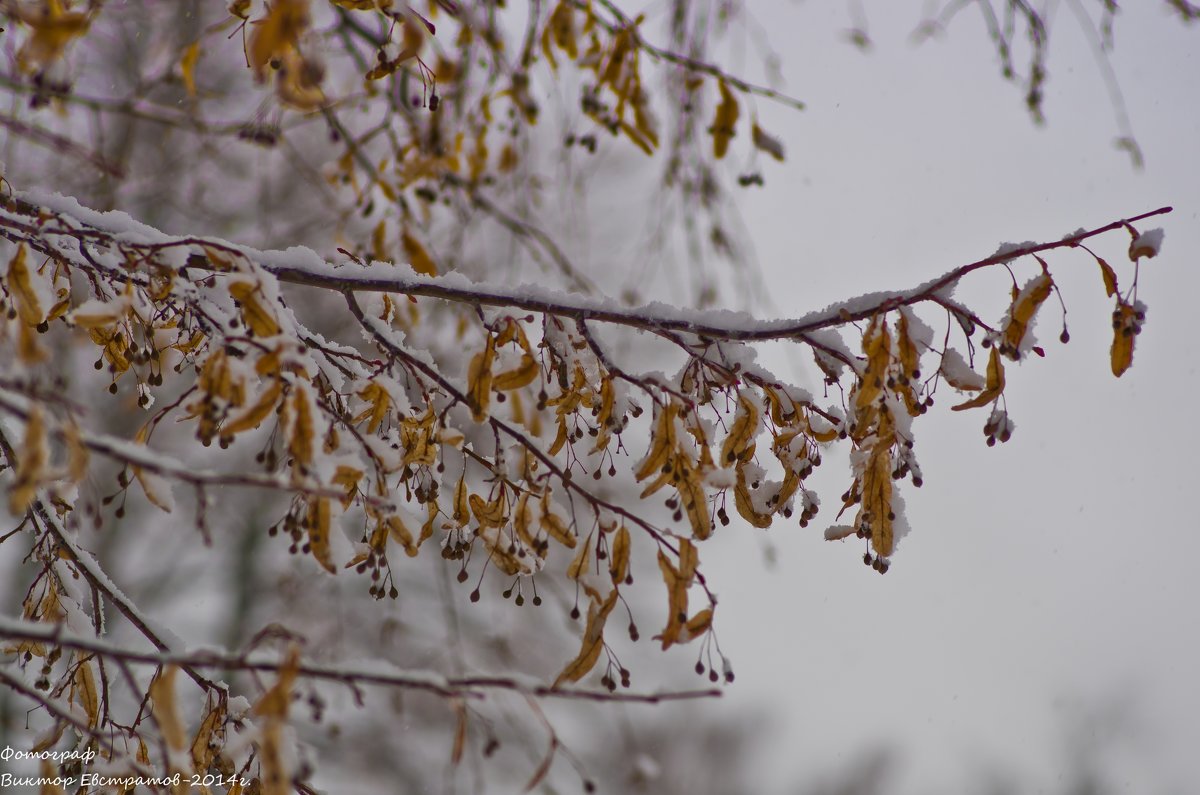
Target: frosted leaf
column 1147, row 244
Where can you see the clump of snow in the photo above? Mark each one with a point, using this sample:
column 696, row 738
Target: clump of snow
column 1147, row 244
column 959, row 373
column 1004, row 249
column 837, row 532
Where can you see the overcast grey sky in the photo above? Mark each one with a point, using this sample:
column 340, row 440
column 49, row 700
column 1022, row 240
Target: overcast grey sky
column 1045, row 580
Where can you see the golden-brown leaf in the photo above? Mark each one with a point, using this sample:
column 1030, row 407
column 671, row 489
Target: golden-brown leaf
column 479, row 380
column 253, row 416
column 995, row 384
column 579, row 564
column 1109, row 275
column 593, row 641
column 53, row 29
column 165, row 710
column 553, row 524
column 877, row 346
column 32, row 461
column 29, row 306
column 522, row 375
column 258, row 318
column 273, row 708
column 204, row 749
column 1124, row 333
column 460, row 734
column 274, row 703
column 187, row 67
column 157, row 489
column 493, row 513
column 662, row 443
column 276, row 34
column 417, row 439
column 301, row 444
column 318, row 532
column 696, row 626
column 560, row 438
column 298, row 84
column 910, row 357
column 725, row 123
column 877, row 498
column 677, row 599
column 347, row 477
column 693, row 499
column 766, row 143
column 743, row 430
column 618, row 556
column 418, row 257
column 85, row 691
column 744, row 502
column 400, row 533
column 462, row 511
column 77, row 454
column 522, row 521
column 1023, row 309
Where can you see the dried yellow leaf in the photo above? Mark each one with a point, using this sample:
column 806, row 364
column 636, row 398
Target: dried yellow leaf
column 258, row 318
column 254, row 416
column 877, row 498
column 696, row 626
column 579, row 564
column 20, row 284
column 319, row 519
column 462, row 511
column 400, row 533
column 301, row 444
column 662, row 443
column 877, row 346
column 479, row 380
column 187, row 67
column 743, row 430
column 995, row 384
column 347, row 477
column 417, row 439
column 744, row 501
column 766, row 142
column 724, row 124
column 1125, row 328
column 31, row 464
column 523, row 375
column 418, row 257
column 593, row 641
column 677, row 588
column 156, row 489
column 273, row 708
column 276, row 33
column 1109, row 276
column 554, row 526
column 165, row 710
column 85, row 694
column 694, row 502
column 1023, row 309
column 380, row 402
column 493, row 513
column 618, row 556
column 53, row 30
column 204, row 748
